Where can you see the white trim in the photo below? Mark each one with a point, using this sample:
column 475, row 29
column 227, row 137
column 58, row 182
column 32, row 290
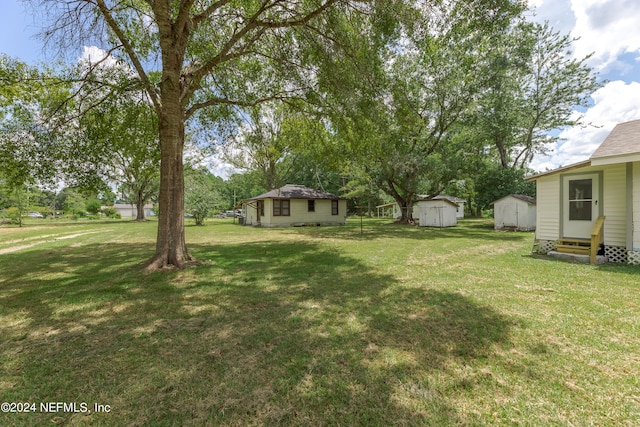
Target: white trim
column 559, row 170
column 612, row 160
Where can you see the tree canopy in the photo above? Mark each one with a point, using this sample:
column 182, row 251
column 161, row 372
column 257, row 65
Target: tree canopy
column 534, row 86
column 210, row 55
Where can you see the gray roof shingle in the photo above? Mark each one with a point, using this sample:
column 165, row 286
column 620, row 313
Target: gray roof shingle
column 623, row 139
column 291, row 191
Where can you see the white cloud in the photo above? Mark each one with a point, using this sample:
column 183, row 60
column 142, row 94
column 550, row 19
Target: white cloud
column 607, row 28
column 557, row 12
column 222, row 169
column 93, row 55
column 617, row 102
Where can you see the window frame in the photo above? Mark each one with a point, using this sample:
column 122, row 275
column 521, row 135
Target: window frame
column 281, row 207
column 311, row 205
column 335, row 207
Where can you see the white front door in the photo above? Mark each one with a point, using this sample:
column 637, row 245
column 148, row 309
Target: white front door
column 581, row 204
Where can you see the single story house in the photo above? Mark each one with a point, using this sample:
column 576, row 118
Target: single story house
column 293, row 206
column 436, row 212
column 515, row 212
column 599, row 197
column 131, row 211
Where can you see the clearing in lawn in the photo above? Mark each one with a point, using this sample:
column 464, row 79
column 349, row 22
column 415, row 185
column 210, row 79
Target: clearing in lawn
column 313, row 326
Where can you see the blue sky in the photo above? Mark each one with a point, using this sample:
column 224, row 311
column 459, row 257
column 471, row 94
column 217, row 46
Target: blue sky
column 17, row 29
column 610, row 29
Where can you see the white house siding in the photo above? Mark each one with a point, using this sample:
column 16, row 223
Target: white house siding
column 250, row 214
column 131, row 211
column 299, row 214
column 548, row 208
column 636, row 207
column 615, row 205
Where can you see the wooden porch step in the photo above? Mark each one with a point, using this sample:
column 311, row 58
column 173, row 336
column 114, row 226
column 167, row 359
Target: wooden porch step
column 577, row 242
column 573, row 249
column 579, row 247
column 574, row 246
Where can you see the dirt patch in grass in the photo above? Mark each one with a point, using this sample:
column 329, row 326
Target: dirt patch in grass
column 45, row 239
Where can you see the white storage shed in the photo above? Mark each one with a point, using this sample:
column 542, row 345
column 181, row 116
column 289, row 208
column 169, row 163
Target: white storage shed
column 515, row 212
column 436, row 213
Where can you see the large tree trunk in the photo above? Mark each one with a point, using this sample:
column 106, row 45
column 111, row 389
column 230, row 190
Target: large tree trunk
column 406, row 209
column 140, row 206
column 502, row 151
column 404, row 201
column 171, row 247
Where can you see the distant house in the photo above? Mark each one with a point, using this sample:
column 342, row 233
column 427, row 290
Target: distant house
column 602, row 193
column 131, row 211
column 388, row 210
column 294, row 205
column 515, row 212
column 436, row 212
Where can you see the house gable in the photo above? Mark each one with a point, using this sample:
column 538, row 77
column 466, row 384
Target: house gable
column 622, row 145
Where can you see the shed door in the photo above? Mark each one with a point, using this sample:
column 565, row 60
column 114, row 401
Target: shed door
column 581, row 207
column 431, row 216
column 507, row 214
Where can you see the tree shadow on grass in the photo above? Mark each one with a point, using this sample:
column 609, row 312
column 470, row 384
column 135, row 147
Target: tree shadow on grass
column 465, row 230
column 272, row 333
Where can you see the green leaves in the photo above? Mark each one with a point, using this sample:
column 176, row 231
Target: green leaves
column 27, row 98
column 201, row 195
column 534, row 86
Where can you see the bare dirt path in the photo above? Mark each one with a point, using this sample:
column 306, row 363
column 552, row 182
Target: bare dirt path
column 45, row 239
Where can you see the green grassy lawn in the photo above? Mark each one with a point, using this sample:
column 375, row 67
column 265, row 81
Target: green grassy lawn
column 314, row 326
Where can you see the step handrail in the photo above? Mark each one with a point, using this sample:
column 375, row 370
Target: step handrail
column 596, row 238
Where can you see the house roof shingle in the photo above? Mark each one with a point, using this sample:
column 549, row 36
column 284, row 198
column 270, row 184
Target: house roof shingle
column 291, row 191
column 622, row 140
column 525, row 198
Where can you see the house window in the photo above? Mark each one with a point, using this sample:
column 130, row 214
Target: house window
column 281, row 207
column 334, row 207
column 580, row 200
column 311, row 205
column 260, row 208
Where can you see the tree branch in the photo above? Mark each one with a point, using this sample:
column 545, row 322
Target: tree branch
column 226, row 101
column 252, row 23
column 111, row 22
